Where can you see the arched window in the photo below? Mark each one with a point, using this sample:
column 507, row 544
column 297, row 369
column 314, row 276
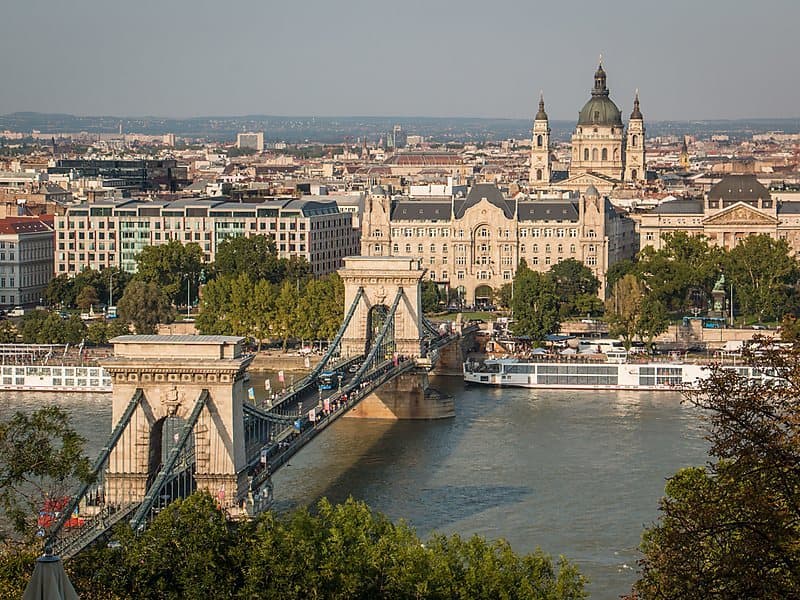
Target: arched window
column 605, row 154
column 594, row 154
column 585, row 154
column 634, row 173
column 616, row 153
column 560, row 248
column 538, row 174
column 635, row 140
column 539, row 141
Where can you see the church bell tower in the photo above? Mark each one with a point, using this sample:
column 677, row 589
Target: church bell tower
column 635, row 169
column 540, row 148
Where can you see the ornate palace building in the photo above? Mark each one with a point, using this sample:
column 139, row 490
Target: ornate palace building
column 734, row 208
column 474, row 243
column 604, row 153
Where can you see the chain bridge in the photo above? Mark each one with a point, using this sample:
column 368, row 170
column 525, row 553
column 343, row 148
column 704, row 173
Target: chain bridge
column 183, row 420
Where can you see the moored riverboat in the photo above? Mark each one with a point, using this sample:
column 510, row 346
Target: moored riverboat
column 593, row 374
column 54, row 378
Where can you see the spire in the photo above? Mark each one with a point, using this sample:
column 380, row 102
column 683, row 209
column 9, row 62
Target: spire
column 636, row 114
column 541, row 115
column 684, row 149
column 600, row 88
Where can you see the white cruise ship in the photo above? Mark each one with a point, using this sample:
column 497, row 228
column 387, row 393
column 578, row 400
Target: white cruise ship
column 594, row 375
column 55, row 378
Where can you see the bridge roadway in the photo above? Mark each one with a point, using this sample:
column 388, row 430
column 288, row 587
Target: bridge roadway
column 300, row 430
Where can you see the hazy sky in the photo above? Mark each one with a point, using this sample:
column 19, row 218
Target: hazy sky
column 691, row 59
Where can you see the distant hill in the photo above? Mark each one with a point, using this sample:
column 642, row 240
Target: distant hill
column 337, row 129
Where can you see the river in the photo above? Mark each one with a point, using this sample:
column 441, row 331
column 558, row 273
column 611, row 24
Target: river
column 573, row 472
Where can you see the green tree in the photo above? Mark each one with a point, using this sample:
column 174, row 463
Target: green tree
column 790, row 329
column 763, row 275
column 74, row 330
column 213, row 317
column 170, row 266
column 623, row 308
column 87, row 297
column 617, row 271
column 117, row 327
column 683, row 271
column 430, row 296
column 60, row 291
column 145, row 305
column 535, row 303
column 730, row 529
column 504, row 295
column 97, row 333
column 256, row 256
column 286, row 315
column 572, row 279
column 41, row 458
column 653, row 319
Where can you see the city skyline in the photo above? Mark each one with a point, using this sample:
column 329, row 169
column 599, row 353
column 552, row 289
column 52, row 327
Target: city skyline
column 184, row 59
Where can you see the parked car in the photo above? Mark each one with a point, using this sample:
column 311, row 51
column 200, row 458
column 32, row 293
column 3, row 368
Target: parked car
column 17, row 311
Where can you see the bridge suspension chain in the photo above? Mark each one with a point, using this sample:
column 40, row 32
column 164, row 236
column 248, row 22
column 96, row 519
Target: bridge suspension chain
column 95, row 486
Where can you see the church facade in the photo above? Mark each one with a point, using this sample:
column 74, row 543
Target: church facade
column 604, row 154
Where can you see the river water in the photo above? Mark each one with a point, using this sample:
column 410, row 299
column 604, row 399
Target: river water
column 576, row 473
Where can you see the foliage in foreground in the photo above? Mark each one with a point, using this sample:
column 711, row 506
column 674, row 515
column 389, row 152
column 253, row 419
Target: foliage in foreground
column 337, row 552
column 732, row 529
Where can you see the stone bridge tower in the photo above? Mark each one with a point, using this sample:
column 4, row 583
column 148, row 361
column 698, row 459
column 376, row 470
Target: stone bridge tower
column 172, row 372
column 381, row 277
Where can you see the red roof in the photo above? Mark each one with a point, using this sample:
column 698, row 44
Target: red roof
column 26, row 224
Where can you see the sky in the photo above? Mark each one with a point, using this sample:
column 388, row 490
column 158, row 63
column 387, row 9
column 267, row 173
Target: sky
column 690, row 59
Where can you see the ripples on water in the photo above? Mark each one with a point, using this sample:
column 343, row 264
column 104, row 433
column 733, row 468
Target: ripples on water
column 575, row 473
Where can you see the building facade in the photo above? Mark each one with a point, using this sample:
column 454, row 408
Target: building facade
column 734, row 208
column 603, row 154
column 474, row 244
column 112, row 234
column 26, row 259
column 251, row 141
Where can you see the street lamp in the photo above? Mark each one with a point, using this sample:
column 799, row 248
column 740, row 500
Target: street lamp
column 110, row 287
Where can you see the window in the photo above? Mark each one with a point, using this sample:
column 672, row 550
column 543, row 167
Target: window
column 433, row 248
column 523, row 233
column 573, row 233
column 561, row 233
column 560, row 249
column 507, row 275
column 648, row 236
column 535, row 260
column 377, row 248
column 535, row 248
column 444, row 248
column 408, row 248
column 420, row 249
column 585, row 154
column 635, row 140
column 604, row 154
column 460, row 275
column 547, row 260
column 547, row 248
column 594, row 154
column 522, row 248
column 539, row 141
column 591, row 261
column 572, row 248
column 548, row 233
column 538, row 174
column 591, row 233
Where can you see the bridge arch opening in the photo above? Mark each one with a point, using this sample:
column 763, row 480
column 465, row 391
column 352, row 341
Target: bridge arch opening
column 376, row 319
column 165, row 434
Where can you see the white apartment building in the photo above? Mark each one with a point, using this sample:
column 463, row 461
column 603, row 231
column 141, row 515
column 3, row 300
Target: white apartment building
column 113, row 233
column 26, row 259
